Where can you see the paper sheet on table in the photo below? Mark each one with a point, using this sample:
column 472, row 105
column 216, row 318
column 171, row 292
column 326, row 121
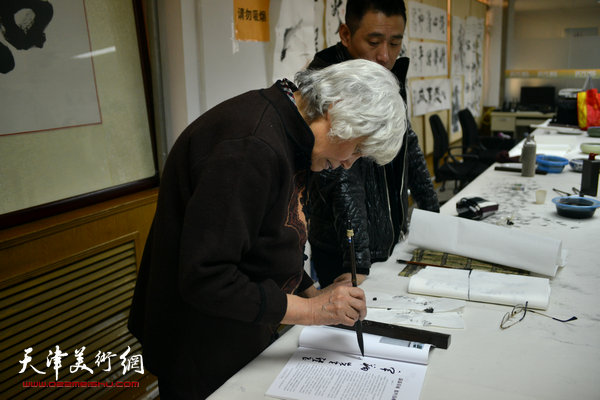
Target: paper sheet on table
column 386, row 300
column 448, row 319
column 572, row 130
column 482, row 286
column 549, row 149
column 486, row 242
column 400, row 309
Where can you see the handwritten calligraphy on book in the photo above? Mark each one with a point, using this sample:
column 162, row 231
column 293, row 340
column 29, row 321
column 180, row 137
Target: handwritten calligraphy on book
column 319, row 374
column 313, row 374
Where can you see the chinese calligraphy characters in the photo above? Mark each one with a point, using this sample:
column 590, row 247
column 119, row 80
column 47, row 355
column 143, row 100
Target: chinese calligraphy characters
column 55, row 359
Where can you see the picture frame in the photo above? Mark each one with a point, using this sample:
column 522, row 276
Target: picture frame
column 51, row 169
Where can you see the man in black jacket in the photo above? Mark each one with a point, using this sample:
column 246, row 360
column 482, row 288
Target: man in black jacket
column 372, row 199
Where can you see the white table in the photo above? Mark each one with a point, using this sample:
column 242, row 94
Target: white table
column 537, row 358
column 551, row 142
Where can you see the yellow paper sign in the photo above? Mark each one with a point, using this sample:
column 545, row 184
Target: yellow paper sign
column 251, row 20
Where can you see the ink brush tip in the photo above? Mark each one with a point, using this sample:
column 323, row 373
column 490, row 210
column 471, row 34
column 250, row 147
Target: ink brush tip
column 359, row 335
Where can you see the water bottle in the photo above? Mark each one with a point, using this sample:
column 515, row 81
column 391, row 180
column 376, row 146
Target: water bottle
column 528, row 157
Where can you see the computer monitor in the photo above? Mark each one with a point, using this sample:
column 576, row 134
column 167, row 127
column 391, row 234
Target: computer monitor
column 537, row 98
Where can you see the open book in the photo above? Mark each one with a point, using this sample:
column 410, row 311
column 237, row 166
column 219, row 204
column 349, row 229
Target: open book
column 328, row 365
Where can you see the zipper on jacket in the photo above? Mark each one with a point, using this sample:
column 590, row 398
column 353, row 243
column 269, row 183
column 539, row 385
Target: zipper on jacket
column 404, row 217
column 387, row 192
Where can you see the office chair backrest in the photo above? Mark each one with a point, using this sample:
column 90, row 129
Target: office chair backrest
column 440, row 140
column 469, row 129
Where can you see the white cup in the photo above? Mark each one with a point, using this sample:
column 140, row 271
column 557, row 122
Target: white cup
column 540, row 196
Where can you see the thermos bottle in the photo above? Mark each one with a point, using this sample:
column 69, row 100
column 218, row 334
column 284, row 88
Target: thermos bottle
column 589, row 176
column 528, row 157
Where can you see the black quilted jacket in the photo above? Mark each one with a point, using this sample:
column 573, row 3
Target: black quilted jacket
column 372, row 199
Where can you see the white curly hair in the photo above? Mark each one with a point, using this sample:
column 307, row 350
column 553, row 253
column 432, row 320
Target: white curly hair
column 363, row 101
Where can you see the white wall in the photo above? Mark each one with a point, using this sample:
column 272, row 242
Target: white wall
column 202, row 64
column 172, row 68
column 537, row 40
column 230, row 67
column 493, row 67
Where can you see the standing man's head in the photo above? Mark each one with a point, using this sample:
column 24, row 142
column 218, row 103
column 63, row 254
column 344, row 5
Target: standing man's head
column 374, row 30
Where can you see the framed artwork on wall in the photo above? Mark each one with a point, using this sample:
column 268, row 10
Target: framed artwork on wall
column 48, row 80
column 76, row 115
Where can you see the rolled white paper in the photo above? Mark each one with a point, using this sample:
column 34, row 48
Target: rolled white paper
column 485, row 242
column 482, row 286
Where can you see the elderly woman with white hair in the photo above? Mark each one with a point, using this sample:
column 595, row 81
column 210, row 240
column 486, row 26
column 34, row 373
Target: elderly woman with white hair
column 223, row 263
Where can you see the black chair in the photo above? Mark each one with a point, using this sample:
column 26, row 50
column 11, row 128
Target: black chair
column 488, row 149
column 448, row 166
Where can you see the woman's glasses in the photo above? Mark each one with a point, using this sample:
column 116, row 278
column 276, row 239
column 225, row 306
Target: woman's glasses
column 518, row 312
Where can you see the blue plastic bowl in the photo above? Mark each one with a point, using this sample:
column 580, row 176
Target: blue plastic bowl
column 550, row 164
column 576, row 206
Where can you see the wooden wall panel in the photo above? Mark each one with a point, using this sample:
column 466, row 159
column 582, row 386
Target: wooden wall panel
column 32, row 246
column 68, row 281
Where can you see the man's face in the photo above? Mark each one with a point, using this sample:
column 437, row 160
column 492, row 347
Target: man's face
column 330, row 153
column 378, row 38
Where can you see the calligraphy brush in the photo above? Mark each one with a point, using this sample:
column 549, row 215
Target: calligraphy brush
column 358, row 325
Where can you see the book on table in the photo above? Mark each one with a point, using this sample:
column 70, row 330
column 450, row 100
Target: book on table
column 328, row 365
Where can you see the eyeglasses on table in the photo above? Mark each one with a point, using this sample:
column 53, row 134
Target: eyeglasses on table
column 518, row 312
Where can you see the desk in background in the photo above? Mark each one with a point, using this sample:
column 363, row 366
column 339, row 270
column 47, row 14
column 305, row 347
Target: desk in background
column 516, row 123
column 537, row 358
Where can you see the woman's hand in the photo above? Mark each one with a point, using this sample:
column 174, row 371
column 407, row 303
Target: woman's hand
column 337, row 304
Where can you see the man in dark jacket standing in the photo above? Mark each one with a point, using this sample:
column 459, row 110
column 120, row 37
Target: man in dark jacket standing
column 223, row 264
column 372, row 199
